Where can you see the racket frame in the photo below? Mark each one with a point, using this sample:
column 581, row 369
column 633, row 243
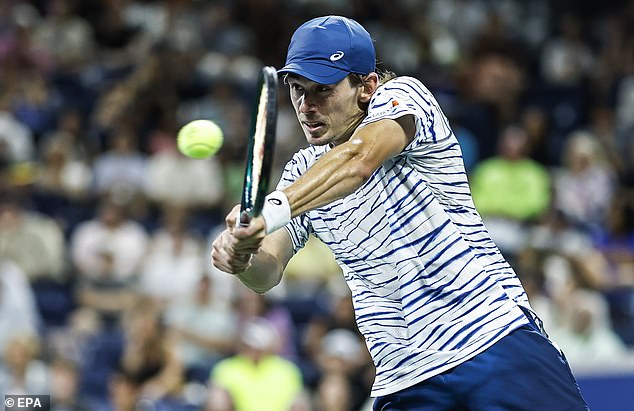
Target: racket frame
column 261, row 139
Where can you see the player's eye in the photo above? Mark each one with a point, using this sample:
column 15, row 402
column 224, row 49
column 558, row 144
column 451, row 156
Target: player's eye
column 323, row 89
column 296, row 87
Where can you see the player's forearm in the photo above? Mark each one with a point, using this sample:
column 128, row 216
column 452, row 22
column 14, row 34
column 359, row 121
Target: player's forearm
column 264, row 272
column 337, row 174
column 346, row 167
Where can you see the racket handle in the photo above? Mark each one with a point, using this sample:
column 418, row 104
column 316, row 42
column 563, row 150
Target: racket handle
column 244, row 219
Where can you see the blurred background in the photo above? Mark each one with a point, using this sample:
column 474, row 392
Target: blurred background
column 107, row 298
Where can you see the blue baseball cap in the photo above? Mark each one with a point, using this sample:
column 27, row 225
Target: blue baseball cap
column 326, row 49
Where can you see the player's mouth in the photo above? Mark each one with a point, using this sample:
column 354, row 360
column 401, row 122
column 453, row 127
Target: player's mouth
column 314, row 127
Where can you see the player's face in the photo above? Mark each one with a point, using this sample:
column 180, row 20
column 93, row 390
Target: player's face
column 328, row 113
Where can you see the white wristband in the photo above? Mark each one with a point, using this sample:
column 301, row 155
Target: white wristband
column 276, row 211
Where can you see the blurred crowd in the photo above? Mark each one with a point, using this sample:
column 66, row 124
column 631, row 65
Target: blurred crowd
column 107, row 298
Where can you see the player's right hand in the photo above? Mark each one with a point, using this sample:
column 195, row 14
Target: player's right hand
column 231, row 253
column 225, row 257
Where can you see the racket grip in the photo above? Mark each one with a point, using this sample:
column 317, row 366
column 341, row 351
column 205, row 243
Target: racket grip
column 244, row 219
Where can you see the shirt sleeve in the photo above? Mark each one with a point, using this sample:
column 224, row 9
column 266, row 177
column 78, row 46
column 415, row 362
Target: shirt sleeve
column 404, row 96
column 300, row 227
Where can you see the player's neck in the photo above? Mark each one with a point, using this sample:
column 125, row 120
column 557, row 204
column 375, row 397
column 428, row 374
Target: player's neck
column 352, row 127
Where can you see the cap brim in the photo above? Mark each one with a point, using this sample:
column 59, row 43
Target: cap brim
column 315, row 72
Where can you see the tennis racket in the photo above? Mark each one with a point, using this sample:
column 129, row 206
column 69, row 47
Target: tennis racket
column 261, row 146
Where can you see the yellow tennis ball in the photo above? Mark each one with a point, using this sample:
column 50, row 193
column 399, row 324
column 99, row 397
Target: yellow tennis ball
column 200, row 139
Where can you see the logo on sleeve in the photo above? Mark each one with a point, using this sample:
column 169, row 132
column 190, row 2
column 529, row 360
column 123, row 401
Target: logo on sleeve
column 275, row 201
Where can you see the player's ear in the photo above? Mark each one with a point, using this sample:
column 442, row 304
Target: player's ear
column 370, row 84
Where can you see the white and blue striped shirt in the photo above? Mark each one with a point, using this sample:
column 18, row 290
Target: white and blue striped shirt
column 429, row 286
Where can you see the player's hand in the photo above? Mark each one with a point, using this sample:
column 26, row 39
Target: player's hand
column 248, row 237
column 224, row 256
column 233, row 250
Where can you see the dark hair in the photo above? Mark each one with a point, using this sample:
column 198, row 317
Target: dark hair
column 356, row 79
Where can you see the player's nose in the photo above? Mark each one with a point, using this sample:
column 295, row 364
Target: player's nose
column 307, row 104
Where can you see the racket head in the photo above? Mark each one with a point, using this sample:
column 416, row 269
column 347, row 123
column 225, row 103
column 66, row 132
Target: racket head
column 261, row 145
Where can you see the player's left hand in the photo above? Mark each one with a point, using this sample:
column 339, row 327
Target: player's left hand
column 254, row 231
column 247, row 238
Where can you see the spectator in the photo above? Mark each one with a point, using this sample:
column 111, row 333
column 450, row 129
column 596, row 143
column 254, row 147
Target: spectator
column 257, row 378
column 71, row 132
column 14, row 134
column 175, row 180
column 586, row 335
column 107, row 252
column 511, row 185
column 34, row 241
column 63, row 167
column 149, row 352
column 71, row 342
column 218, row 399
column 510, row 189
column 107, row 295
column 529, row 263
column 556, row 234
column 313, row 266
column 109, row 238
column 566, row 59
column 19, row 54
column 62, row 183
column 64, row 387
column 120, row 170
column 173, row 252
column 18, row 312
column 464, row 19
column 252, row 305
column 339, row 314
column 125, row 392
column 205, row 329
column 35, row 104
column 584, row 186
column 493, row 87
column 22, row 372
column 67, row 37
column 342, row 384
column 334, row 393
column 303, row 402
column 615, row 238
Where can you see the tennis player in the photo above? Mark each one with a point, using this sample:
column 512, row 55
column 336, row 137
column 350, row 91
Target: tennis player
column 445, row 318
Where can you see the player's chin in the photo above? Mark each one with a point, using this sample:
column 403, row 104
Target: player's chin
column 318, row 139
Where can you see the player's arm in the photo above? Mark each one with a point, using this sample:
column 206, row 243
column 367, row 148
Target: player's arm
column 256, row 260
column 268, row 264
column 346, row 167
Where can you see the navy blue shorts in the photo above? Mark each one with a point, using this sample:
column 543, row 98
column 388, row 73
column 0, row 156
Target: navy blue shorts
column 522, row 371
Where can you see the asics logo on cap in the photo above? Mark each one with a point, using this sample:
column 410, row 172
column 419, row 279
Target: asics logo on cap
column 336, row 55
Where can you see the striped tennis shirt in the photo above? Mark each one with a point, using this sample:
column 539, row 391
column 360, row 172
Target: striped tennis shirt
column 430, row 288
